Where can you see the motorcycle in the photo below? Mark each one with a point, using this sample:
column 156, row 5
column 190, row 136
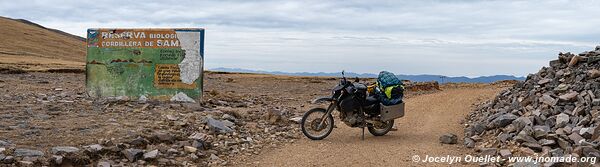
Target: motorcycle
column 356, row 109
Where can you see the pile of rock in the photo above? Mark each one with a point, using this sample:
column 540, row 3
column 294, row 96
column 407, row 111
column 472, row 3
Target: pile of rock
column 553, row 113
column 190, row 139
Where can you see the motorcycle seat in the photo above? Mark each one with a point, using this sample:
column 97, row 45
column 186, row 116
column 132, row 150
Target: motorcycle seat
column 371, row 100
column 360, row 86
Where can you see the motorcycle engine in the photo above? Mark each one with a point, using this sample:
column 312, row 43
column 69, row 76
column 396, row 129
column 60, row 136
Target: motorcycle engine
column 349, row 109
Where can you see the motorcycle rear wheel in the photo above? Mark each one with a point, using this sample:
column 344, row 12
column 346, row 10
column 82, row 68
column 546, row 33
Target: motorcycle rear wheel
column 384, row 129
column 310, row 121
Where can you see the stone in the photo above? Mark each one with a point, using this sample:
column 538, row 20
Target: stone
column 504, row 137
column 521, row 122
column 2, row 150
column 63, row 150
column 569, row 97
column 548, row 100
column 143, row 99
column 561, row 88
column 8, row 160
column 216, row 126
column 594, row 73
column 555, row 63
column 502, row 121
column 56, row 159
column 596, row 102
column 505, row 153
column 526, row 151
column 19, row 152
column 151, row 155
column 534, row 146
column 488, row 151
column 133, row 154
column 574, row 60
column 296, row 120
column 547, row 142
column 576, row 138
column 4, row 143
column 274, row 116
column 163, row 137
column 182, row 97
column 540, row 131
column 229, row 118
column 25, row 163
column 94, row 148
column 214, row 157
column 596, row 133
column 103, row 164
column 590, row 151
column 199, row 136
column 544, row 81
column 448, row 138
column 587, row 132
column 562, row 120
column 190, row 149
column 228, row 123
column 199, row 144
column 523, row 137
column 469, row 143
column 557, row 152
column 139, row 141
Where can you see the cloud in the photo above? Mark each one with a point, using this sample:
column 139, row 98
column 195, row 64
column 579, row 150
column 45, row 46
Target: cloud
column 456, row 37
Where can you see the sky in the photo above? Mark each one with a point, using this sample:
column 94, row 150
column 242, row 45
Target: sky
column 445, row 37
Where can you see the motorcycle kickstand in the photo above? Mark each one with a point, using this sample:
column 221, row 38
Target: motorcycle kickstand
column 363, row 133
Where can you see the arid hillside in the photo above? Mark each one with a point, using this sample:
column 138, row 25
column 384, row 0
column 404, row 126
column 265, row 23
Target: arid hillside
column 30, row 47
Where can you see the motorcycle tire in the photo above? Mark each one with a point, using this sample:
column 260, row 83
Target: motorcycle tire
column 380, row 132
column 328, row 122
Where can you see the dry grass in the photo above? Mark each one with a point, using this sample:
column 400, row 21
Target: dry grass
column 33, row 48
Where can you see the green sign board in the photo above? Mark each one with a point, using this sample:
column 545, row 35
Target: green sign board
column 163, row 64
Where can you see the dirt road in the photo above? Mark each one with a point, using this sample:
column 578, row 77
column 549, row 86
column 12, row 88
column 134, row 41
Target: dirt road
column 428, row 116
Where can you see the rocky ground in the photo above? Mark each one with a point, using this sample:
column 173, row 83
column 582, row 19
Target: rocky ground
column 554, row 113
column 47, row 119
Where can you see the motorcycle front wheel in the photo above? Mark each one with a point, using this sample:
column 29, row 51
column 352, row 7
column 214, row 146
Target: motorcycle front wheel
column 382, row 129
column 310, row 124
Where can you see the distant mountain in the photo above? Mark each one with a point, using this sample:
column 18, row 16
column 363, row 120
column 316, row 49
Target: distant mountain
column 415, row 78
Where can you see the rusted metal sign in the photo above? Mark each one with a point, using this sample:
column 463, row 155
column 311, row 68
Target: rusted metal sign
column 155, row 63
